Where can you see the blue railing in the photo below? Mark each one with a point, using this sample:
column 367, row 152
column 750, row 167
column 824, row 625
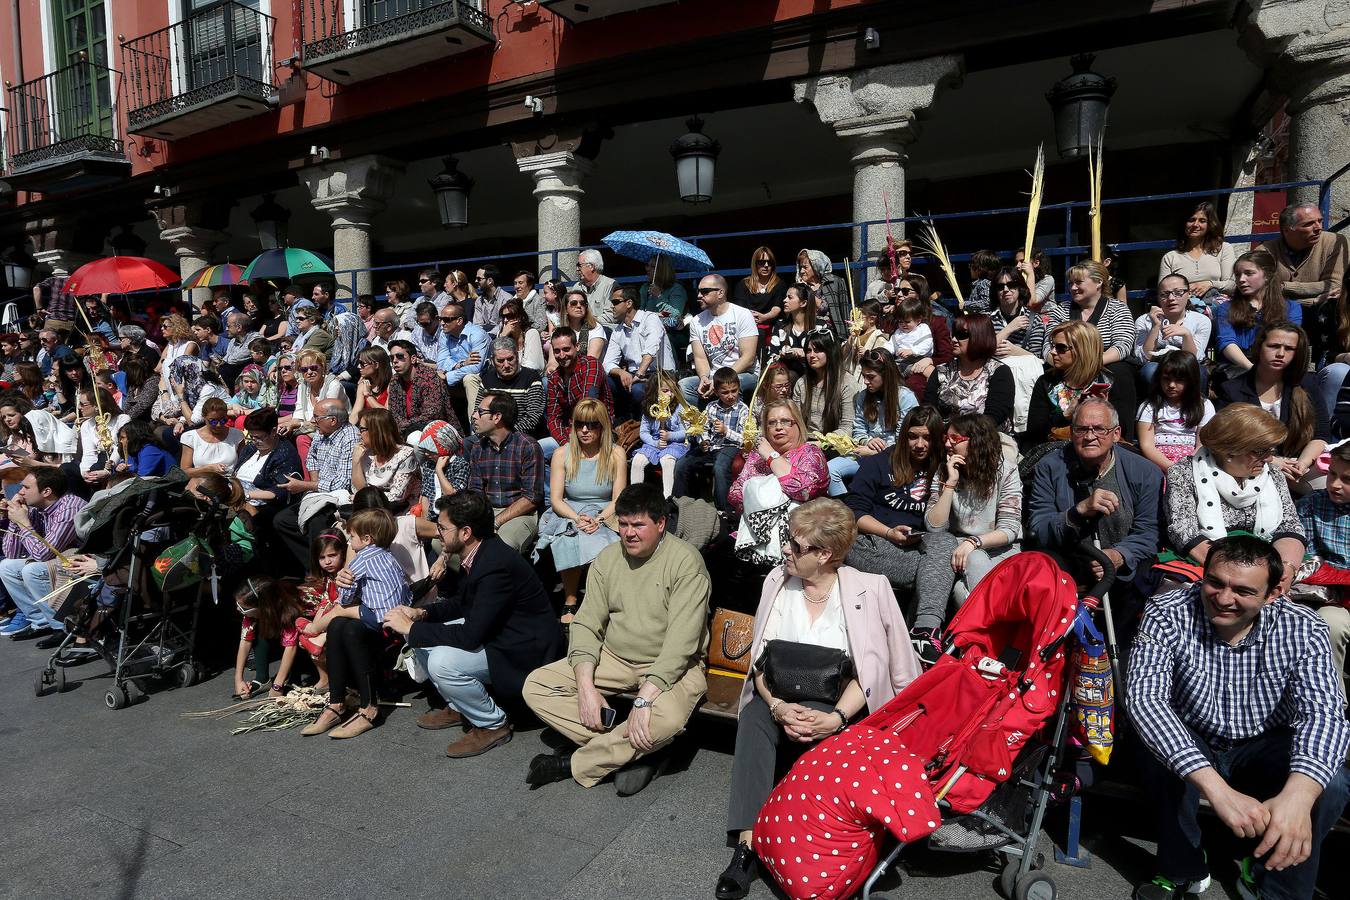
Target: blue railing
column 1064, row 251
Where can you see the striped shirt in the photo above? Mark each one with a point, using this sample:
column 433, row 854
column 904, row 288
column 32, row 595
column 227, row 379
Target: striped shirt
column 1111, row 316
column 380, row 584
column 1280, row 675
column 56, row 524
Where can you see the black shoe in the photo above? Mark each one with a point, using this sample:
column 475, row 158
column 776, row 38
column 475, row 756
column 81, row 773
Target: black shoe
column 734, row 882
column 927, row 644
column 51, row 641
column 547, row 768
column 38, row 632
column 77, row 655
column 639, row 773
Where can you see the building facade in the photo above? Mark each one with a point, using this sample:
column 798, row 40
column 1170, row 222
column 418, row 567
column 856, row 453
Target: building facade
column 204, row 130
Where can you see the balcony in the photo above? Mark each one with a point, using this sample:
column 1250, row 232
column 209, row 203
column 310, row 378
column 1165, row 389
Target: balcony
column 351, row 40
column 211, row 69
column 63, row 131
column 577, row 11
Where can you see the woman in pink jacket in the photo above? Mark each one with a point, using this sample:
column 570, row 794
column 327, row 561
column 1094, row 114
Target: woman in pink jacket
column 811, row 599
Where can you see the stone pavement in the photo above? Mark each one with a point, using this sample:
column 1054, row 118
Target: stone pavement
column 142, row 803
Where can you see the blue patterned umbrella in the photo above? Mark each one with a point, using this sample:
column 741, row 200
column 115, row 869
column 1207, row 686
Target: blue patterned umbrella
column 644, row 245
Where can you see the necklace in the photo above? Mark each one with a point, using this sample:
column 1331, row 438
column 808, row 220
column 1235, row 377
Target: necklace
column 825, row 596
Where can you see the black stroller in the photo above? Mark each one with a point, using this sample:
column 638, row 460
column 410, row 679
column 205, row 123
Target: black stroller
column 141, row 626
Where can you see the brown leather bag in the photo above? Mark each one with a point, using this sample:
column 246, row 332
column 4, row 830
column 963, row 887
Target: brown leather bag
column 628, row 434
column 731, row 635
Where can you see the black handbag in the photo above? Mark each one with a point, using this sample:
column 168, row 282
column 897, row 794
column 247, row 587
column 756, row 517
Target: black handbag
column 799, row 672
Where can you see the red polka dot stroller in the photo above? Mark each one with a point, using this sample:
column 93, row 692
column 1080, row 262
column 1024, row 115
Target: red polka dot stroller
column 967, row 755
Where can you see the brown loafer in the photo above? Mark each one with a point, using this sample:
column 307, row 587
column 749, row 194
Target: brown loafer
column 357, row 724
column 436, row 719
column 477, row 741
column 327, row 720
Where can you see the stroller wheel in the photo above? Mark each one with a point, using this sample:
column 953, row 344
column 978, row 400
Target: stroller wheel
column 60, row 681
column 187, row 675
column 1007, row 878
column 43, row 683
column 116, row 698
column 1035, row 886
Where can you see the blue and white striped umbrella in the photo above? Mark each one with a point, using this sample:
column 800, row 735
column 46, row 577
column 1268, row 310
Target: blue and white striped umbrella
column 644, row 245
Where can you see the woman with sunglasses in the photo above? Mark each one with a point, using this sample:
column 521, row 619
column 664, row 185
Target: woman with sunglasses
column 214, row 447
column 1231, row 485
column 315, row 384
column 72, row 377
column 283, row 386
column 913, row 285
column 889, row 497
column 592, row 335
column 975, row 381
column 1076, row 371
column 177, row 342
column 878, row 410
column 762, row 292
column 1281, row 384
column 372, row 391
column 586, row 477
column 529, row 343
column 980, row 501
column 1020, row 330
column 816, row 600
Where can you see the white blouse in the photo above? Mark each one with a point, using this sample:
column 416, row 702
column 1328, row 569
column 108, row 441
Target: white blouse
column 206, row 453
column 790, row 620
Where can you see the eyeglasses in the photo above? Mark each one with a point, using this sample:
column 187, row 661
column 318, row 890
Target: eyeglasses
column 516, row 318
column 1057, row 347
column 362, row 363
column 1179, row 292
column 1264, row 452
column 797, row 548
column 479, row 411
column 329, row 416
column 258, row 437
column 310, row 370
column 903, row 253
column 781, row 423
column 363, row 429
column 705, row 291
column 1093, row 430
column 216, row 423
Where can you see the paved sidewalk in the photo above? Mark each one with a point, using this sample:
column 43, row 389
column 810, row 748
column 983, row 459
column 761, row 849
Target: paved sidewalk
column 142, row 803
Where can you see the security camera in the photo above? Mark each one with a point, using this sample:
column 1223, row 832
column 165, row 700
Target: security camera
column 319, row 152
column 534, row 104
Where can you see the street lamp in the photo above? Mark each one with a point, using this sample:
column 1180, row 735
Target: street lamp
column 1080, row 102
column 271, row 218
column 695, row 162
column 18, row 265
column 452, row 189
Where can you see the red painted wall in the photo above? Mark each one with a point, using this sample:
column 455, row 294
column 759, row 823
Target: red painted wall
column 530, row 40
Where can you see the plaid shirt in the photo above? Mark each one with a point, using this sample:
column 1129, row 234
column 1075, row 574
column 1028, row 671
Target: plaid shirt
column 509, row 472
column 380, row 584
column 734, row 417
column 329, row 460
column 1281, row 674
column 56, row 524
column 55, row 300
column 564, row 392
column 1327, row 525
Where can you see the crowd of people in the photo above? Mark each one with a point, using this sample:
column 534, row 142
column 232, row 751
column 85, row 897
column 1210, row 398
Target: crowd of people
column 412, row 473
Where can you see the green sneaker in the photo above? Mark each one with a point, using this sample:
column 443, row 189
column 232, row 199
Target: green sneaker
column 1246, row 883
column 1158, row 889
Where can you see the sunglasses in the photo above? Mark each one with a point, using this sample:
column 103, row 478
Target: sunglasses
column 961, row 334
column 905, row 292
column 399, row 356
column 216, row 423
column 1007, row 286
column 586, row 425
column 954, row 440
column 705, row 291
column 285, row 368
column 763, row 262
column 302, row 318
column 514, row 318
column 1094, row 430
column 451, row 318
column 797, row 548
column 1061, row 348
column 310, row 370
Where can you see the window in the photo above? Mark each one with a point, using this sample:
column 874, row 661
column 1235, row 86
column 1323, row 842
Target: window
column 84, row 94
column 223, row 39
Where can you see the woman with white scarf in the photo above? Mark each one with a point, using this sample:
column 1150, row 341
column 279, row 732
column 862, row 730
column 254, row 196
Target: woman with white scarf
column 1230, row 485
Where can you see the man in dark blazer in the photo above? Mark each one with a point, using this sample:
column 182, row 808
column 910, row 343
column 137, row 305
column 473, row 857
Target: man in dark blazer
column 495, row 629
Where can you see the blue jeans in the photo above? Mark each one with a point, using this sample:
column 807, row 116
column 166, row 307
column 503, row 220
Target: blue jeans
column 1329, row 383
column 689, row 387
column 461, row 677
column 1258, row 767
column 26, row 581
column 841, row 467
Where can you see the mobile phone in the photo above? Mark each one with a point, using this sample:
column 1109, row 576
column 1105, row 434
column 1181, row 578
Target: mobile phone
column 17, row 452
column 294, row 476
column 1100, row 389
column 608, row 715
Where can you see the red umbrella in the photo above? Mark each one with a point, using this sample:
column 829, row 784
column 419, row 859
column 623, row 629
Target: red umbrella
column 120, row 275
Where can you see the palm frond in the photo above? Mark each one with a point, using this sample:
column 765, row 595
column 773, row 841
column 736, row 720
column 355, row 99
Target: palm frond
column 1037, row 193
column 929, row 241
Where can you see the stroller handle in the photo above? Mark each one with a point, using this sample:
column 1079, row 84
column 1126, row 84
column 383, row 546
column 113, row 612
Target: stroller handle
column 1095, row 553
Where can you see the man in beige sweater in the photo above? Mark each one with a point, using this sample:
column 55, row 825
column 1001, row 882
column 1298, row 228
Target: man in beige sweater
column 1310, row 262
column 643, row 626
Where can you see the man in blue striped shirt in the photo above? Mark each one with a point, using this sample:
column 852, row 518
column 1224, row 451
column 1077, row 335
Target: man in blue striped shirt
column 1232, row 688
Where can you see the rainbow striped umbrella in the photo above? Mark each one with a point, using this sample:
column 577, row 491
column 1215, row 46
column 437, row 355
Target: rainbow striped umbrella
column 222, row 275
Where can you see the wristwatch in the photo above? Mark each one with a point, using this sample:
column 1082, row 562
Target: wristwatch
column 641, row 703
column 774, row 455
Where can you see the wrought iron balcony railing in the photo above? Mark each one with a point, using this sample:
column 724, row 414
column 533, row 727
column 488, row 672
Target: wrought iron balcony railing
column 64, row 115
column 210, row 69
column 345, row 40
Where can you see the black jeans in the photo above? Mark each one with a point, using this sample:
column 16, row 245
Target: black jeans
column 1257, row 767
column 719, row 460
column 353, row 654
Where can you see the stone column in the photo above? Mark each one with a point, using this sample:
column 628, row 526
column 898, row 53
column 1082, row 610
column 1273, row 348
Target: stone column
column 352, row 192
column 193, row 228
column 60, row 244
column 557, row 187
column 1304, row 45
column 876, row 111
